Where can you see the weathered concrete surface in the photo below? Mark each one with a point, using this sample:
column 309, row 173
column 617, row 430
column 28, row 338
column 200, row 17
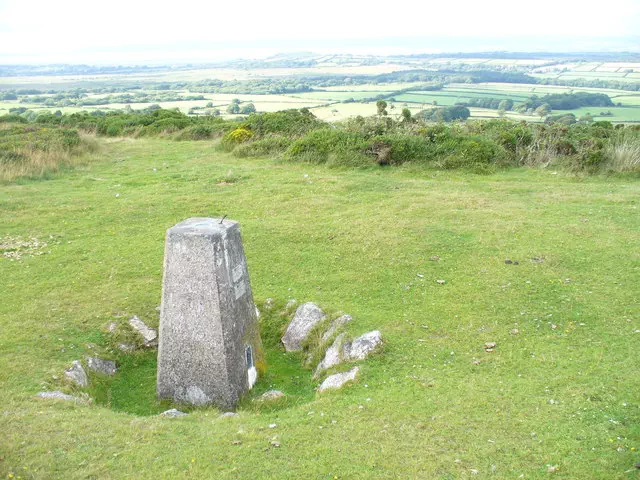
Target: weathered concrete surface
column 362, row 346
column 307, row 316
column 336, row 325
column 106, row 367
column 77, row 374
column 207, row 316
column 338, row 380
column 333, row 355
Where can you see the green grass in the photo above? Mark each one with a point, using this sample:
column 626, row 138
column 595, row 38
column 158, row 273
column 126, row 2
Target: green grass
column 351, row 240
column 620, row 114
column 339, row 96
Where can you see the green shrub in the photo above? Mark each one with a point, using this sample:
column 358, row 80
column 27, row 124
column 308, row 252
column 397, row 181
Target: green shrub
column 265, row 146
column 287, row 122
column 318, row 145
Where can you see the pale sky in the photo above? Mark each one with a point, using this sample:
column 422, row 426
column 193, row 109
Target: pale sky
column 119, row 31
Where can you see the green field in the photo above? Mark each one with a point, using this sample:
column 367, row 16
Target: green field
column 560, row 390
column 343, row 81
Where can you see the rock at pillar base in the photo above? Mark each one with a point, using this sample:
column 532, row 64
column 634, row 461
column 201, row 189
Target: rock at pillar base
column 210, row 350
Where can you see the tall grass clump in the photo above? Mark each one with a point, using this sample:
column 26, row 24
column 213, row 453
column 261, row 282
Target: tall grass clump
column 33, row 151
column 622, row 153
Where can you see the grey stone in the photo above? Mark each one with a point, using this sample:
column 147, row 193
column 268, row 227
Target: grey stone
column 229, row 414
column 362, row 346
column 271, row 395
column 57, row 395
column 112, row 327
column 106, row 367
column 126, row 347
column 77, row 374
column 338, row 380
column 290, row 304
column 209, row 338
column 173, row 413
column 307, row 316
column 150, row 335
column 332, row 356
column 335, row 326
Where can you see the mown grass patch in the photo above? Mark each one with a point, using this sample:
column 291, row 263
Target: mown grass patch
column 358, row 240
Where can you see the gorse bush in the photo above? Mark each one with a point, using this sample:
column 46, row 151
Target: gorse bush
column 269, row 145
column 297, row 135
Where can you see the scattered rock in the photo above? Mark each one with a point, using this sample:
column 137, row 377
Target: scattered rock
column 553, row 468
column 275, row 443
column 440, row 282
column 332, row 355
column 173, row 413
column 537, row 259
column 236, row 442
column 229, row 414
column 338, row 380
column 307, row 316
column 112, row 327
column 273, row 425
column 515, row 331
column 434, row 258
column 475, row 361
column 150, row 335
column 362, row 346
column 268, row 304
column 290, row 304
column 508, row 262
column 77, row 374
column 489, row 346
column 335, row 326
column 271, row 395
column 107, row 367
column 257, row 311
column 126, row 347
column 57, row 395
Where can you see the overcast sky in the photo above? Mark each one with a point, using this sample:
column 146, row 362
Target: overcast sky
column 119, row 31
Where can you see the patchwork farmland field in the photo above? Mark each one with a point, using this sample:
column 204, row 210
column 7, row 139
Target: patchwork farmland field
column 347, row 88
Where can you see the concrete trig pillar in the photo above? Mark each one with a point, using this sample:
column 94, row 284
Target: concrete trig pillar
column 210, row 349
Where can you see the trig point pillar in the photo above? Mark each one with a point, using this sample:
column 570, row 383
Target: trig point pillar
column 209, row 337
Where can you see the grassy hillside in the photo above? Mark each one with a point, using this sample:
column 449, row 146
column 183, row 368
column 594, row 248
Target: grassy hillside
column 560, row 390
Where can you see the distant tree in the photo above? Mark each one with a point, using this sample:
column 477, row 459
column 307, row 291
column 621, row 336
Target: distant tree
column 501, row 112
column 248, row 108
column 381, row 105
column 543, row 110
column 506, row 104
column 209, row 105
column 236, row 101
column 406, row 115
column 586, row 118
column 233, row 108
